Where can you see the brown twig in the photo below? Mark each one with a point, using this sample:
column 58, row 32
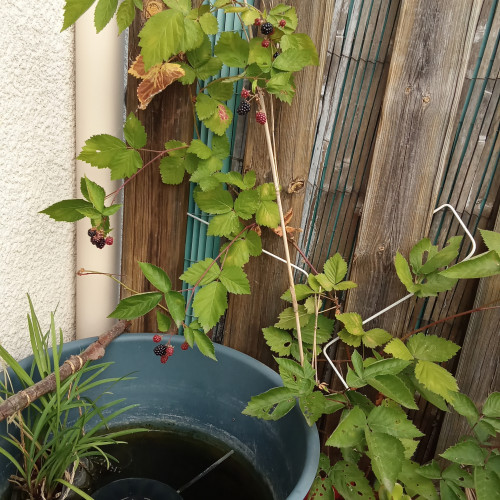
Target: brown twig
column 24, row 398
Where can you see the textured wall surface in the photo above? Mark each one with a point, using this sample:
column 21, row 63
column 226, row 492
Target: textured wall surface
column 37, row 151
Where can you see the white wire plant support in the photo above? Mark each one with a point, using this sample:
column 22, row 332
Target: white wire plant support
column 389, row 307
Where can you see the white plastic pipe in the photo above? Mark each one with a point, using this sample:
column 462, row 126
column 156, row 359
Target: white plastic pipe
column 99, row 68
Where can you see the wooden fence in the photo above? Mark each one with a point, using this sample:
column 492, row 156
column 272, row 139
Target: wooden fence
column 401, row 116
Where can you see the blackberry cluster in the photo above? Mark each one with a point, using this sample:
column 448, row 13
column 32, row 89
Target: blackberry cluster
column 97, row 238
column 160, row 350
column 243, row 108
column 267, row 28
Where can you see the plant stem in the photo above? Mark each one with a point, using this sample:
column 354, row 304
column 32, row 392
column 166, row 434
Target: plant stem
column 276, row 181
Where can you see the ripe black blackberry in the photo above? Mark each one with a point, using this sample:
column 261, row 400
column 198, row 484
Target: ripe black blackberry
column 276, row 54
column 267, row 28
column 92, row 232
column 100, row 243
column 243, row 108
column 160, row 350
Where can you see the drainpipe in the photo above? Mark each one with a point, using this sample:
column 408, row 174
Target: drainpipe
column 99, row 68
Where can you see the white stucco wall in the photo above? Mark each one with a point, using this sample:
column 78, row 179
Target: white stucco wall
column 37, row 151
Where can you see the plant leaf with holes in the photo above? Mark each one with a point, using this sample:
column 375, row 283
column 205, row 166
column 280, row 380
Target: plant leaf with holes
column 278, row 340
column 271, row 405
column 350, row 430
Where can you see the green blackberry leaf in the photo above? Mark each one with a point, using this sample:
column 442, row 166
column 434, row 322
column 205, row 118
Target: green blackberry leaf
column 436, row 378
column 232, row 50
column 183, row 6
column 201, row 273
column 393, row 387
column 205, row 345
column 172, row 170
column 73, row 9
column 278, row 340
column 352, row 322
column 224, row 225
column 176, row 305
column 208, row 23
column 466, row 453
column 104, row 11
column 163, row 321
column 136, row 305
column 67, row 210
column 200, row 149
column 444, row 257
column 134, row 131
column 398, row 349
column 156, row 276
column 125, row 15
column 392, row 421
column 261, row 56
column 350, row 481
column 480, row 266
column 431, row 347
column 235, row 280
column 350, row 430
column 220, row 120
column 100, row 150
column 247, row 204
column 491, row 407
column 271, row 405
column 268, row 214
column 209, row 304
column 491, row 239
column 287, row 318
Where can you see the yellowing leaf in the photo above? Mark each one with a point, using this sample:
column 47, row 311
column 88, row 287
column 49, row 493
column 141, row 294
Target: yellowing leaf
column 436, row 379
column 156, row 79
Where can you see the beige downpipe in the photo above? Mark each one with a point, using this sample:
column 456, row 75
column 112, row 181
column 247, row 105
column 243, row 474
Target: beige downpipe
column 99, row 71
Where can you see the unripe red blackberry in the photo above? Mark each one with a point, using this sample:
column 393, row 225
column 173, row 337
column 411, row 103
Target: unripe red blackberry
column 109, row 240
column 164, row 359
column 160, row 350
column 258, row 21
column 243, row 108
column 282, row 23
column 100, row 243
column 170, row 350
column 267, row 29
column 245, row 93
column 157, row 338
column 185, row 346
column 261, row 117
column 265, row 43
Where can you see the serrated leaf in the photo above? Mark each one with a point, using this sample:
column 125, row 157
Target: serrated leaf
column 281, row 85
column 450, row 491
column 112, row 209
column 444, row 257
column 104, row 11
column 428, row 395
column 376, row 337
column 398, row 349
column 172, row 170
column 221, row 147
column 434, row 283
column 404, row 273
column 207, row 268
column 204, row 171
column 237, row 254
column 268, row 214
column 235, row 280
column 205, row 345
column 387, row 456
column 349, row 339
column 287, row 318
column 100, row 150
column 491, row 239
column 279, row 341
column 260, row 55
column 436, row 379
column 91, row 213
column 350, row 430
column 189, row 74
column 163, row 321
column 73, row 9
column 208, row 23
column 392, row 421
column 221, row 90
column 271, row 405
column 210, row 68
column 189, row 335
column 246, row 204
column 168, row 33
column 182, row 5
column 316, row 404
column 66, row 210
column 200, row 149
column 232, row 50
column 352, row 378
column 209, row 304
column 353, row 323
column 296, row 377
column 390, row 366
column 464, row 406
column 216, row 201
column 295, row 59
column 415, row 483
column 176, row 148
column 301, row 292
column 205, row 106
column 220, row 120
column 125, row 15
column 491, row 407
column 324, row 282
column 176, row 305
column 480, row 266
column 466, row 452
column 254, row 243
column 458, row 475
column 324, row 330
column 136, row 305
column 96, row 194
column 424, row 246
column 335, row 268
column 487, row 484
column 156, row 276
column 345, row 285
column 125, row 164
column 344, row 474
column 431, row 347
column 430, row 470
column 224, row 225
column 393, row 387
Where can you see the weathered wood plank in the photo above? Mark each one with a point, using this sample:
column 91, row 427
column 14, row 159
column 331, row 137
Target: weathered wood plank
column 150, row 233
column 423, row 90
column 294, row 140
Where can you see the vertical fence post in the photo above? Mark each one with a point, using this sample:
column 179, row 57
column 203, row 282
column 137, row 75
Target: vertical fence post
column 294, row 133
